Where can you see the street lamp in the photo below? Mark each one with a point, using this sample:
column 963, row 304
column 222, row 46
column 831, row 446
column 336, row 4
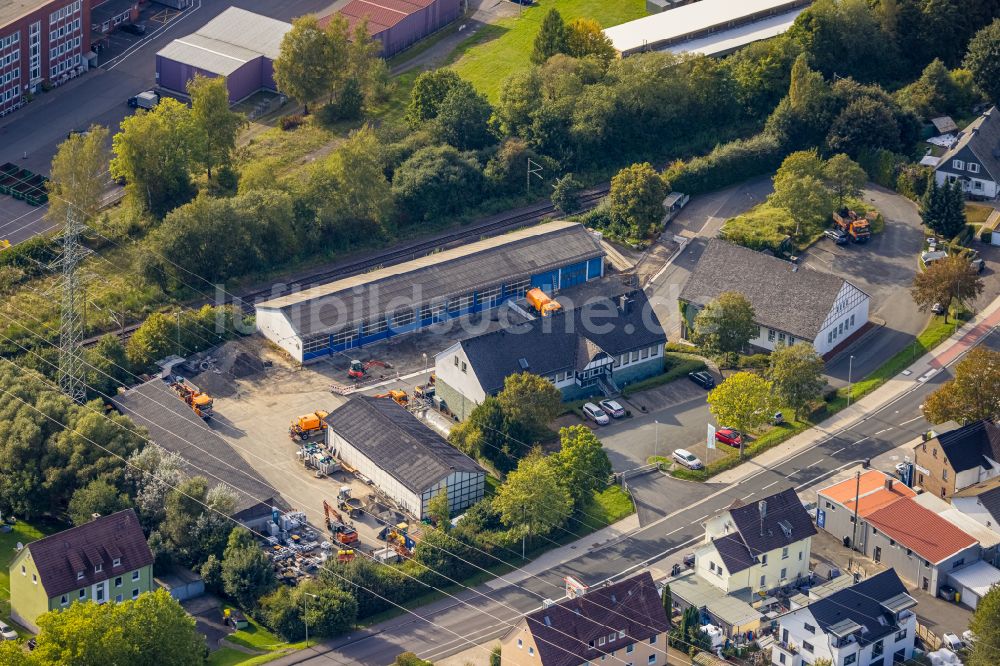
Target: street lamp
column 425, row 361
column 305, row 612
column 656, row 438
column 850, row 384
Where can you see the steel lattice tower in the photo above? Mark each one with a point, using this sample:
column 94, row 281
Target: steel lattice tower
column 71, row 373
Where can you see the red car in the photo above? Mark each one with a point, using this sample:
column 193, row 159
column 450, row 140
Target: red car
column 729, row 436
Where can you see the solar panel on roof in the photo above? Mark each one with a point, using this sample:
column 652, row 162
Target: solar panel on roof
column 523, row 362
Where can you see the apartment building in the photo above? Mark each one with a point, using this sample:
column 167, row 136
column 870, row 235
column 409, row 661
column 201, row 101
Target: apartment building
column 40, row 41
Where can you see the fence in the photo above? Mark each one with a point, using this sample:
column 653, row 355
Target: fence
column 929, row 638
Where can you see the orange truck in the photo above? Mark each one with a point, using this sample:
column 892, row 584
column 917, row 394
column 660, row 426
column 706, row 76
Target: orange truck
column 857, row 228
column 307, row 426
column 539, row 300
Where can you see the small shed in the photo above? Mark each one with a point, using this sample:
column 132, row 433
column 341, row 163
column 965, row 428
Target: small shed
column 974, row 581
column 181, row 583
column 944, row 124
column 735, row 617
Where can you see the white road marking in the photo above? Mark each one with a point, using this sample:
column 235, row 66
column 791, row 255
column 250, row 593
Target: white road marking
column 916, row 418
column 838, row 451
column 769, row 485
column 748, row 496
column 884, row 430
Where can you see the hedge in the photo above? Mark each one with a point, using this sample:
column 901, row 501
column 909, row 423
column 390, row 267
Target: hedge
column 727, row 164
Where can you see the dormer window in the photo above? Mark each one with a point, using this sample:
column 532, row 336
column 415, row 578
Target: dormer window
column 973, row 167
column 98, row 568
column 79, row 575
column 958, row 164
column 117, row 562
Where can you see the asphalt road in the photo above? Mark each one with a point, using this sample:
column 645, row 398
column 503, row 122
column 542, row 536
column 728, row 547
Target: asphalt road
column 30, row 136
column 454, row 624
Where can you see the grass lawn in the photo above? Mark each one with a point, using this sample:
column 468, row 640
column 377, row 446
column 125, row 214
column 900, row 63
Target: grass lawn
column 229, row 657
column 25, row 533
column 976, row 214
column 500, row 49
column 256, row 637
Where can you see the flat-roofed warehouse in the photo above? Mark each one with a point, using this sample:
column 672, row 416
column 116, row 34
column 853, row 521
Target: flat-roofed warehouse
column 416, row 294
column 694, row 24
column 237, row 44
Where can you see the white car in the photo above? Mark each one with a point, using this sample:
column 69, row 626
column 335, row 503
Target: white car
column 6, row 633
column 952, row 642
column 612, row 408
column 596, row 414
column 687, row 459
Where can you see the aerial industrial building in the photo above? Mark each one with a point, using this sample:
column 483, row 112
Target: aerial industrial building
column 711, row 27
column 237, row 44
column 473, row 278
column 398, row 24
column 406, row 460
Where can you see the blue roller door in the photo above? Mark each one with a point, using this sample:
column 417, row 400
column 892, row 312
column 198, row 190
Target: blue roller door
column 547, row 282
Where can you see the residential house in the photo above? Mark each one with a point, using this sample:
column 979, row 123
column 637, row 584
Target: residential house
column 988, row 538
column 980, row 502
column 757, row 547
column 868, row 624
column 734, row 616
column 104, row 560
column 602, row 344
column 623, row 622
column 885, row 530
column 973, row 582
column 791, row 303
column 974, row 159
column 958, row 459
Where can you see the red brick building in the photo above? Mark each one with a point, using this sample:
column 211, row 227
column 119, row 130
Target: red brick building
column 40, row 40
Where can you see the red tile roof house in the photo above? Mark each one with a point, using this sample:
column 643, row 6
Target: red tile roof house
column 897, row 533
column 104, row 560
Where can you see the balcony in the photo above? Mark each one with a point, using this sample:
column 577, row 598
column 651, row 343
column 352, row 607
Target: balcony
column 791, row 654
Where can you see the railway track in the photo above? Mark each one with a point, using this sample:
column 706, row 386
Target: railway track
column 490, row 226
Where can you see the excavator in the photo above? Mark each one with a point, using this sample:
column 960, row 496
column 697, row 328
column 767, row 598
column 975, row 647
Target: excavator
column 359, row 370
column 398, row 396
column 344, row 534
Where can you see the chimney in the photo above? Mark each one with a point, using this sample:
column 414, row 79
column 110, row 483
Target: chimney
column 888, row 483
column 762, row 508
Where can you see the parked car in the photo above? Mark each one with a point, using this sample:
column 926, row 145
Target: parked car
column 938, row 309
column 612, row 408
column 596, row 414
column 952, row 642
column 6, row 633
column 134, row 28
column 729, row 437
column 837, row 236
column 144, row 100
column 703, row 379
column 687, row 459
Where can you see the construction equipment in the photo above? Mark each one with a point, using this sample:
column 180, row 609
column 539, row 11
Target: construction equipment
column 4, row 244
column 857, row 228
column 308, row 425
column 351, row 505
column 345, row 555
column 398, row 396
column 539, row 300
column 359, row 370
column 343, row 533
column 200, row 402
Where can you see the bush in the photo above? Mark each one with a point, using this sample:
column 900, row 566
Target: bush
column 728, row 163
column 288, row 123
column 882, row 166
column 911, row 181
column 754, row 361
column 763, row 227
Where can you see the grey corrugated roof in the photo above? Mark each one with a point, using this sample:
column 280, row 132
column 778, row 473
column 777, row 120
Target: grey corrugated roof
column 176, row 428
column 459, row 270
column 397, row 442
column 231, row 39
column 61, row 556
column 564, row 341
column 982, row 137
column 787, row 298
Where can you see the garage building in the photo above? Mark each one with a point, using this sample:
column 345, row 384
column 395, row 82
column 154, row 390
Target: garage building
column 237, row 44
column 366, row 308
column 406, row 460
column 398, row 24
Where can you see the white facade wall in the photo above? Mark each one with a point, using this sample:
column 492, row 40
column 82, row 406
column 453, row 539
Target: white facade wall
column 464, row 489
column 769, row 338
column 849, row 313
column 385, row 481
column 792, row 633
column 971, row 507
column 980, row 186
column 274, row 326
column 776, row 568
column 453, row 368
column 978, row 474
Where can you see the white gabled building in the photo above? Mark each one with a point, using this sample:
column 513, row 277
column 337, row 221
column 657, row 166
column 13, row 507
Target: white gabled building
column 757, row 547
column 868, row 624
column 792, row 303
column 974, row 159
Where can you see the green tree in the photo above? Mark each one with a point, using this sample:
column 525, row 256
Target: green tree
column 935, row 93
column 192, row 531
column 438, row 509
column 333, row 611
column 534, row 500
column 566, row 194
column 799, row 189
column 495, row 657
column 668, row 604
column 305, row 67
column 108, row 366
column 725, row 325
column 744, row 401
column 436, row 181
column 429, row 91
column 99, row 496
column 551, row 38
column 973, row 394
column 365, row 64
column 947, row 279
column 983, row 60
column 530, row 400
column 584, row 464
column 463, row 118
column 796, row 373
column 942, row 207
column 78, row 176
column 635, row 200
column 215, row 125
column 584, row 37
column 845, row 177
column 410, row 659
column 154, row 153
column 864, row 124
column 985, row 625
column 152, row 629
column 520, row 99
column 246, row 573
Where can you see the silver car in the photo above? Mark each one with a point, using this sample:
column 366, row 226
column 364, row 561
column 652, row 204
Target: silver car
column 596, row 414
column 687, row 459
column 6, row 633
